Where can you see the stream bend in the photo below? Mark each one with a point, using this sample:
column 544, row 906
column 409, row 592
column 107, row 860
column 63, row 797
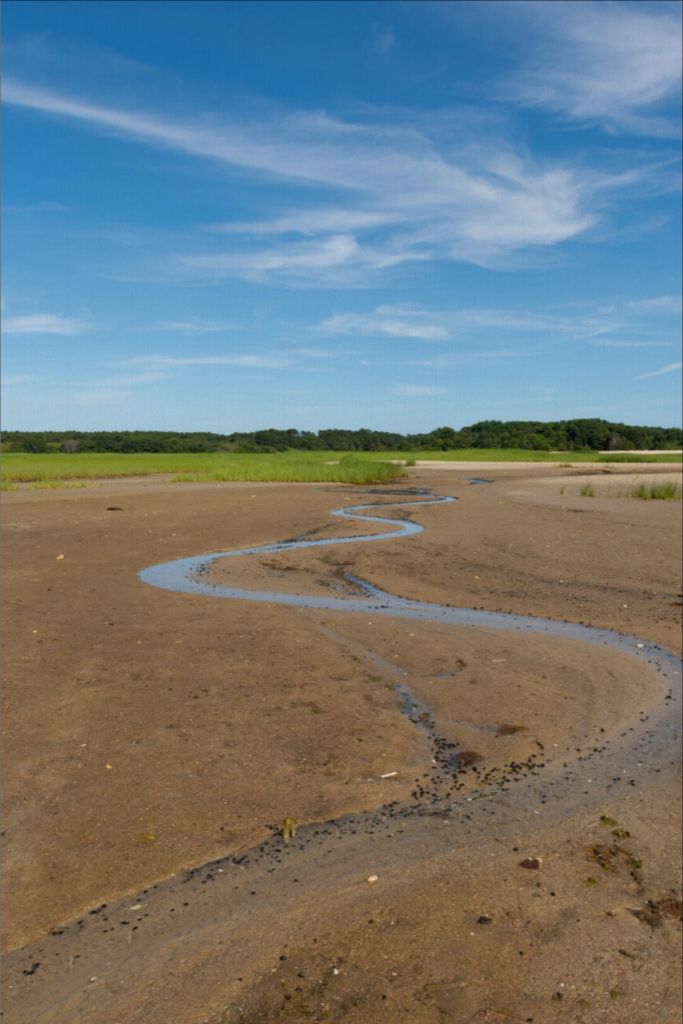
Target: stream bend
column 187, row 575
column 651, row 742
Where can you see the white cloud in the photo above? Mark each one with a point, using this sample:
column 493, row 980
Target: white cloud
column 309, row 352
column 336, row 259
column 307, row 256
column 400, row 190
column 405, row 321
column 310, row 222
column 467, row 357
column 44, row 323
column 196, row 326
column 625, row 343
column 168, row 362
column 669, row 368
column 614, row 63
column 658, row 304
column 417, row 391
column 400, row 321
column 128, row 380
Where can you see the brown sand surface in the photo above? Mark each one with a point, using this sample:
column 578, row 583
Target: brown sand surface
column 148, row 732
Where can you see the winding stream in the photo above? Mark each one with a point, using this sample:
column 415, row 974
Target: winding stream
column 185, row 575
column 252, row 886
column 647, row 745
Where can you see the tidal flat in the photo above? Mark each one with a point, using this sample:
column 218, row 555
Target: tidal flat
column 238, row 811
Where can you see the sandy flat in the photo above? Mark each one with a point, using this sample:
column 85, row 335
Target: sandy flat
column 149, row 732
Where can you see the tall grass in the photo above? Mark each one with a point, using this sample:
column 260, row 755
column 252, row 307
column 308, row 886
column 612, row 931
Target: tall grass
column 666, row 491
column 286, row 466
column 355, row 467
column 640, row 457
column 346, row 470
column 519, row 455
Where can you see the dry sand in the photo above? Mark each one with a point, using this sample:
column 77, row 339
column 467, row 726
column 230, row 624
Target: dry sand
column 148, row 732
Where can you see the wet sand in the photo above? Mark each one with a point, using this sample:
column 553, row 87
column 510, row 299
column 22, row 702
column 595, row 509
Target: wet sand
column 151, row 732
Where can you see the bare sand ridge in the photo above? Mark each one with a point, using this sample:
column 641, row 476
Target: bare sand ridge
column 149, row 732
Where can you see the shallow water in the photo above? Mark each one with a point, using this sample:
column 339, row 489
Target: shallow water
column 650, row 742
column 440, row 816
column 184, row 575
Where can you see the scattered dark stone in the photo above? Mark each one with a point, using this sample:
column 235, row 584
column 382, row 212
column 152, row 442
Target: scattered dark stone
column 484, row 919
column 114, row 508
column 603, row 855
column 32, row 969
column 654, row 911
column 533, row 863
column 671, row 906
column 466, row 757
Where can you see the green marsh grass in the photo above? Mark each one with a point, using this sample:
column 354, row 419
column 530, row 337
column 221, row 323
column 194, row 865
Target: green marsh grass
column 55, row 485
column 294, row 466
column 519, row 455
column 640, row 457
column 666, row 491
column 49, row 470
column 274, row 468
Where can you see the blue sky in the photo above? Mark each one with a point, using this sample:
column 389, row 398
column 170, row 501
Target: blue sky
column 226, row 216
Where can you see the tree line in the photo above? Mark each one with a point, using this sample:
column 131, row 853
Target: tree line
column 533, row 435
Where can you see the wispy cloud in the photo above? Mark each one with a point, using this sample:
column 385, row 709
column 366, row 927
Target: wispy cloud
column 169, row 362
column 310, row 352
column 669, row 368
column 406, row 321
column 659, row 304
column 634, row 324
column 310, row 222
column 336, row 259
column 44, row 323
column 614, row 64
column 196, row 326
column 397, row 321
column 581, row 326
column 451, row 360
column 399, row 190
column 625, row 343
column 128, row 380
